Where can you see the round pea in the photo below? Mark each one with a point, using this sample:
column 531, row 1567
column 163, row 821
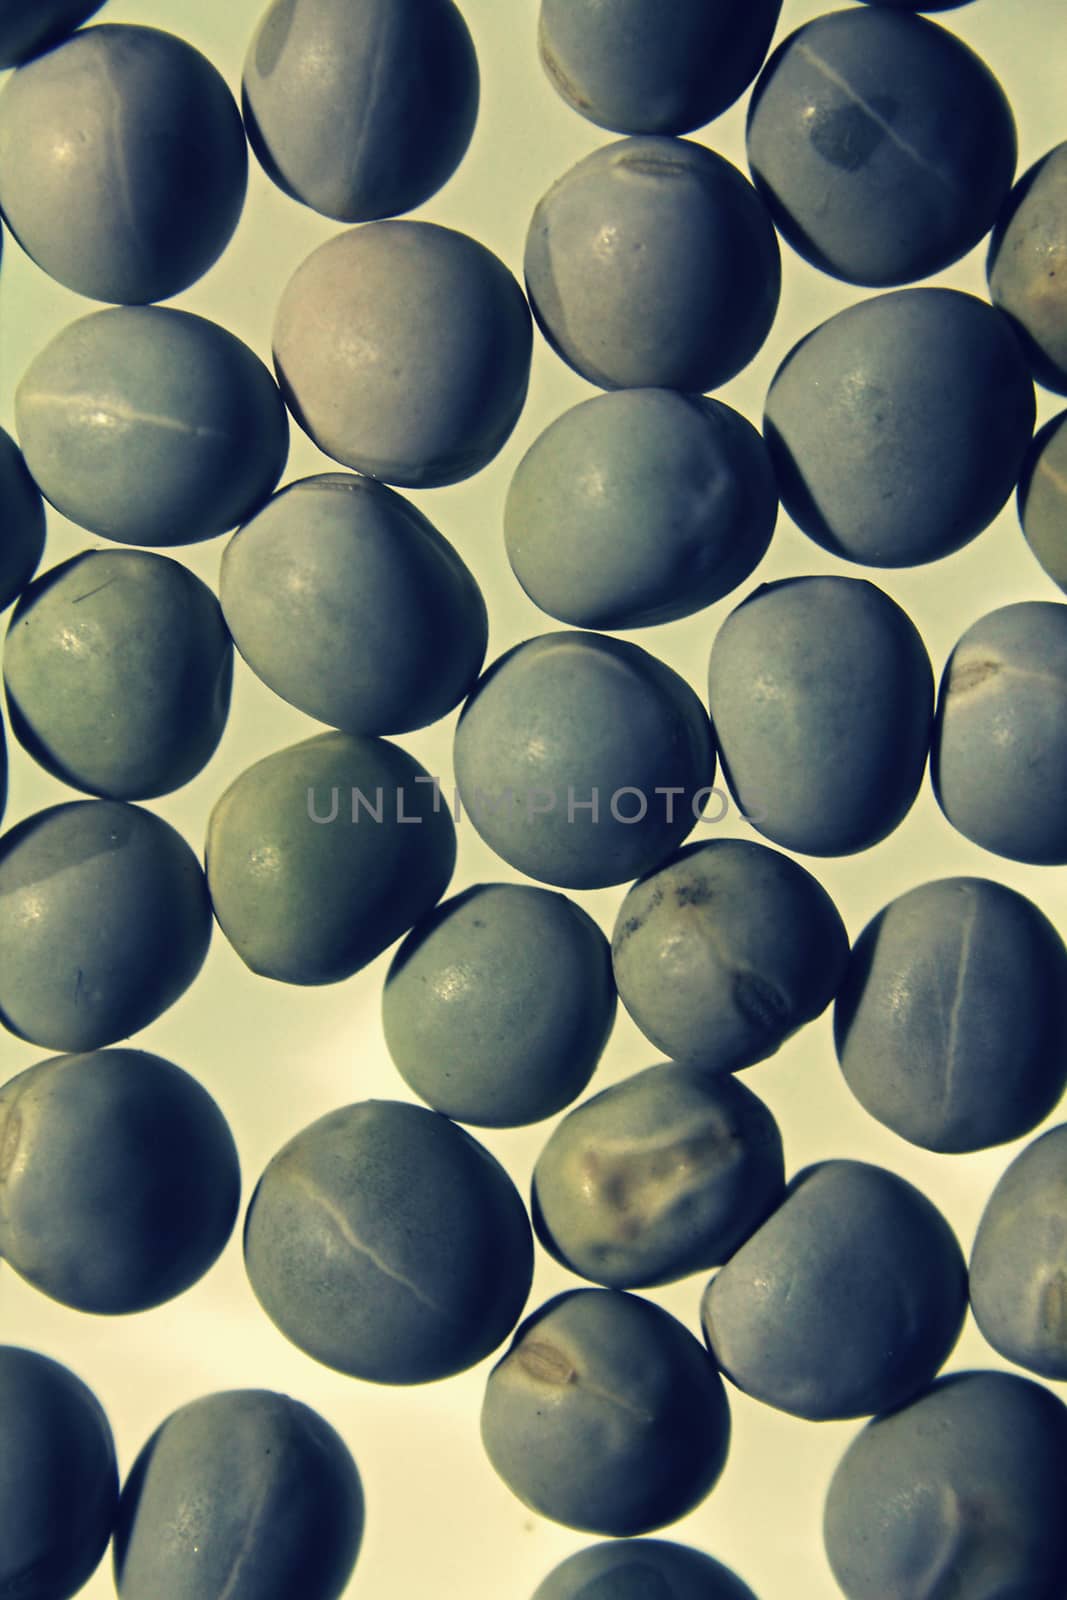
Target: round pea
column 845, row 1302
column 961, row 1492
column 360, row 108
column 403, row 350
column 322, row 854
column 664, row 1174
column 244, row 1494
column 58, row 1478
column 725, row 950
column 581, row 759
column 151, row 426
column 387, row 1243
column 645, row 66
column 121, row 1180
column 348, row 603
column 1019, row 1260
column 898, row 428
column 882, row 144
column 1027, row 266
column 1043, row 498
column 22, row 524
column 821, row 699
column 606, row 1414
column 951, row 1023
column 653, row 263
column 498, row 1005
column 638, row 507
column 117, row 668
column 104, row 922
column 641, row 1569
column 999, row 757
column 123, row 163
column 25, row 30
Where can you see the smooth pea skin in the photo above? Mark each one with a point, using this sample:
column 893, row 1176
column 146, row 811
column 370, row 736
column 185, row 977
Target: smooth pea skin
column 403, row 350
column 999, row 757
column 348, row 603
column 322, row 854
column 360, row 108
column 661, row 1175
column 244, row 1494
column 120, row 1179
column 1018, row 1270
column 899, row 427
column 653, row 263
column 645, row 66
column 951, row 1023
column 388, row 1244
column 151, row 426
column 117, row 669
column 104, row 923
column 58, row 1478
column 1043, row 498
column 882, row 144
column 1027, row 266
column 123, row 163
column 497, row 1006
column 582, row 759
column 960, row 1493
column 845, row 1302
column 641, row 1569
column 725, row 950
column 638, row 507
column 22, row 524
column 606, row 1414
column 821, row 699
column 27, row 30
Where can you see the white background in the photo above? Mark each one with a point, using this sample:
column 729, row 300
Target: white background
column 439, row 1523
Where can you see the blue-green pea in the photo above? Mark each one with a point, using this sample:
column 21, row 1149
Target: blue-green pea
column 22, row 523
column 1027, row 266
column 641, row 1569
column 1042, row 498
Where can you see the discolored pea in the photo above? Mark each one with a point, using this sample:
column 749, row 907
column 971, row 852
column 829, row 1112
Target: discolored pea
column 999, row 756
column 883, row 145
column 25, row 30
column 1019, row 1260
column 117, row 668
column 119, row 1180
column 22, row 524
column 385, row 1242
column 582, row 760
column 661, row 1175
column 654, row 66
column 652, row 263
column 951, row 1024
column 123, row 163
column 322, row 854
column 246, row 1495
column 1043, row 498
column 725, row 951
column 403, row 350
column 1027, row 266
column 641, row 1569
column 104, row 922
column 360, row 108
column 348, row 603
column 961, row 1492
column 638, row 507
column 821, row 700
column 58, row 1479
column 497, row 1006
column 845, row 1302
column 606, row 1414
column 898, row 428
column 151, row 426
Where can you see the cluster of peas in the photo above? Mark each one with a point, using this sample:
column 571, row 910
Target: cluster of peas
column 384, row 1240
